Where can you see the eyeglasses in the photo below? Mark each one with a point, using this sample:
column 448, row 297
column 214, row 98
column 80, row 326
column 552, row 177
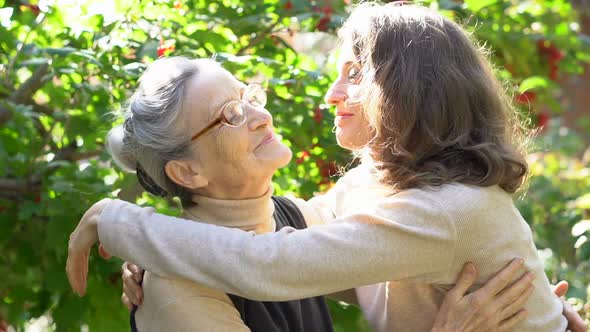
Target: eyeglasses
column 232, row 113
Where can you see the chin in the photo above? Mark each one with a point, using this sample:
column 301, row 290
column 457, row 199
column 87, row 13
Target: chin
column 277, row 157
column 349, row 139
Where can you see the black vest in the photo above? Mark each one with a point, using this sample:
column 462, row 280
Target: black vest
column 306, row 315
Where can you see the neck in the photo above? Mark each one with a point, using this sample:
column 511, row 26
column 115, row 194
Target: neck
column 249, row 214
column 237, row 191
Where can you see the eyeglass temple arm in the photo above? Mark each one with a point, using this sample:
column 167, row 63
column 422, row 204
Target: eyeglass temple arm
column 211, row 125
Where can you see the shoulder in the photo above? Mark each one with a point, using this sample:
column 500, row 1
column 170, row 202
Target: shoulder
column 443, row 202
column 458, row 202
column 455, row 194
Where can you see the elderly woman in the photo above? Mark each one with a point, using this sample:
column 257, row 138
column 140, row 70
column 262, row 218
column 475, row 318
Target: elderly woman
column 192, row 130
column 433, row 191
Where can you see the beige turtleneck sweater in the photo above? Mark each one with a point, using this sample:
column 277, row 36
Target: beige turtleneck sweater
column 175, row 304
column 408, row 247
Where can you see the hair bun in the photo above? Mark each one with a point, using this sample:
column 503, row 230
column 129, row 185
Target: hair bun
column 116, row 147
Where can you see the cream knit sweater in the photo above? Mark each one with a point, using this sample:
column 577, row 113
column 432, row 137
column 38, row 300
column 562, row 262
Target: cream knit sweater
column 409, row 247
column 176, row 304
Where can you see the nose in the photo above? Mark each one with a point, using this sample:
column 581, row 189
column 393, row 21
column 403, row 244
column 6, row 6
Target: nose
column 336, row 94
column 258, row 118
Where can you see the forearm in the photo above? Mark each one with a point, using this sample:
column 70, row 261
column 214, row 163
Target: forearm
column 277, row 266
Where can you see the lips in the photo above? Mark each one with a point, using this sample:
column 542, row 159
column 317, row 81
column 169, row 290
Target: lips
column 344, row 114
column 341, row 117
column 267, row 139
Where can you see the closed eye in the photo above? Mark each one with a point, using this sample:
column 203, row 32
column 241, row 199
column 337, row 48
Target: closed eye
column 353, row 73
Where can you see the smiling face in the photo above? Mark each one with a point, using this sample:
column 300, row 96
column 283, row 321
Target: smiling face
column 353, row 131
column 231, row 159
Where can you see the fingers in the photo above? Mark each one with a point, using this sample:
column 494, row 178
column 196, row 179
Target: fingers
column 77, row 271
column 510, row 323
column 136, row 271
column 511, row 308
column 561, row 288
column 516, row 291
column 103, row 252
column 574, row 322
column 81, row 241
column 131, row 286
column 464, row 281
column 502, row 278
column 126, row 302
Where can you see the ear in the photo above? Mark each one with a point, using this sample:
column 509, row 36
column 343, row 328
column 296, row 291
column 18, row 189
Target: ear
column 185, row 174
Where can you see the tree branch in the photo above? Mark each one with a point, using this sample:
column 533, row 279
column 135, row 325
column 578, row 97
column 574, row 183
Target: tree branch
column 258, row 39
column 26, row 90
column 19, row 186
column 30, row 86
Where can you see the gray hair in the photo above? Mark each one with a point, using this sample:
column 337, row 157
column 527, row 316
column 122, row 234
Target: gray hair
column 154, row 131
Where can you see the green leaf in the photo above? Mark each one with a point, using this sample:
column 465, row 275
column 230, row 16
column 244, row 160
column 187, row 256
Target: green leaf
column 535, row 82
column 583, row 202
column 476, row 5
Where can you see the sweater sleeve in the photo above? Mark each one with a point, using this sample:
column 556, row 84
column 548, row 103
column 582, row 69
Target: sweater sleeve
column 314, row 211
column 399, row 238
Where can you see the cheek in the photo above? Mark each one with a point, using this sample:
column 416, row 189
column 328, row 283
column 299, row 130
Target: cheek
column 233, row 144
column 355, row 134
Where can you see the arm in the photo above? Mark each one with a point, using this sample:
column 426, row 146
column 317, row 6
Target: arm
column 315, row 211
column 359, row 249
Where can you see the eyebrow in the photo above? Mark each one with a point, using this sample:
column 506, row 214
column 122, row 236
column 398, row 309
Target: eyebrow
column 347, row 63
column 217, row 107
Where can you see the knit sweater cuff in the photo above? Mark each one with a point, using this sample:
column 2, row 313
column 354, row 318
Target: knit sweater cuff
column 115, row 223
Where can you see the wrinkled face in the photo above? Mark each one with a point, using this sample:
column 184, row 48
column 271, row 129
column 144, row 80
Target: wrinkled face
column 352, row 128
column 230, row 155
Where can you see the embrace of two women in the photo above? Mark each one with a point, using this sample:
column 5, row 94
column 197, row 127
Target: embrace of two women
column 400, row 235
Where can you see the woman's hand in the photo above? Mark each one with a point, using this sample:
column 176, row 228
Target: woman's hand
column 132, row 291
column 493, row 307
column 81, row 241
column 575, row 323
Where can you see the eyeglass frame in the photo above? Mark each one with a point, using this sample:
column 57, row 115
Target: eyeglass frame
column 221, row 119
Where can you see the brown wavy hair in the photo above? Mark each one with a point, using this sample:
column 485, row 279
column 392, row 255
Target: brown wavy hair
column 437, row 110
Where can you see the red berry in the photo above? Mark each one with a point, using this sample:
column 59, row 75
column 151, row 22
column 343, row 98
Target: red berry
column 545, row 47
column 318, row 115
column 33, row 8
column 2, row 209
column 288, row 5
column 556, row 56
column 323, row 23
column 164, row 49
column 37, row 199
column 161, row 50
column 543, row 119
column 178, row 4
column 327, row 169
column 327, row 10
column 304, row 157
column 553, row 74
column 526, row 97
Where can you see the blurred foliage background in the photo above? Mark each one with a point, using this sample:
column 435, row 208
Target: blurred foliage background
column 65, row 66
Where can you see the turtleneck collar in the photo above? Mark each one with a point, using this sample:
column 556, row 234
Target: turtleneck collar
column 255, row 214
